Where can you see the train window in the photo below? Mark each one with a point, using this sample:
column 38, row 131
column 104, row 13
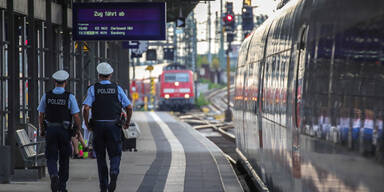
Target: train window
column 346, row 93
column 278, row 84
column 273, row 86
column 239, row 87
column 248, row 88
column 255, row 92
column 179, row 77
column 265, row 89
column 285, row 85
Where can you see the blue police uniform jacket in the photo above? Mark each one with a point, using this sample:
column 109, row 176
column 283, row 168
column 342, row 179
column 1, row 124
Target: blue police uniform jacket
column 72, row 104
column 122, row 97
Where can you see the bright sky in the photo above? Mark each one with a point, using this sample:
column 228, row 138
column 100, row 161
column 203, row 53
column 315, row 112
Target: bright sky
column 201, row 15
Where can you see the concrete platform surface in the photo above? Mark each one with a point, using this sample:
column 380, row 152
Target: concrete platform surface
column 171, row 157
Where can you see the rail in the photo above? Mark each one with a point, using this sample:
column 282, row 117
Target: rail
column 218, row 100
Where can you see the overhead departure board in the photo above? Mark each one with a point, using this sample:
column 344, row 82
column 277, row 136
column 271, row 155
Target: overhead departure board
column 119, row 21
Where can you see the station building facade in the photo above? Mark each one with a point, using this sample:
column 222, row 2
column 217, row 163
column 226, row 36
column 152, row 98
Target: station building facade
column 35, row 41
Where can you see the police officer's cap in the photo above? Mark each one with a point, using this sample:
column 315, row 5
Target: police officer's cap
column 60, row 75
column 104, row 68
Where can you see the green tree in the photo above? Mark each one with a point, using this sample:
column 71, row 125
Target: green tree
column 201, row 60
column 215, row 63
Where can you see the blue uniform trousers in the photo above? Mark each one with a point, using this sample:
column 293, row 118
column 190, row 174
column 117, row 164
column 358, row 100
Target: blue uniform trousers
column 58, row 147
column 107, row 136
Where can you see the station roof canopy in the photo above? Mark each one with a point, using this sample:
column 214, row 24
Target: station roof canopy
column 175, row 8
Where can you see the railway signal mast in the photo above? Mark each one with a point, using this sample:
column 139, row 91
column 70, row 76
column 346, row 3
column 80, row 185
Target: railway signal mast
column 229, row 28
column 247, row 19
column 229, row 23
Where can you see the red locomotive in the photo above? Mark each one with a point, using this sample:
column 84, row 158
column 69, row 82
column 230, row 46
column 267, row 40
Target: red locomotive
column 176, row 88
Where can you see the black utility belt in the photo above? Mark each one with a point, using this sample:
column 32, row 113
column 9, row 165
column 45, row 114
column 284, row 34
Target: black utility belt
column 106, row 121
column 115, row 122
column 65, row 124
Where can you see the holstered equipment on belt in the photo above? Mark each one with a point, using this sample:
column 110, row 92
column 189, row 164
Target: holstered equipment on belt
column 120, row 122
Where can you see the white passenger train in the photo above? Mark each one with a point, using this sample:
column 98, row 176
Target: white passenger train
column 309, row 97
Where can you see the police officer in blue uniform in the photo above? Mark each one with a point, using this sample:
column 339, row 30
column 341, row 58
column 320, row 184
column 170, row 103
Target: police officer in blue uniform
column 56, row 109
column 107, row 100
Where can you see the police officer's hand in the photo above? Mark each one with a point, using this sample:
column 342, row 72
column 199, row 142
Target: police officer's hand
column 126, row 125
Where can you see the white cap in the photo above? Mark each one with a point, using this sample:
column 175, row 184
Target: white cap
column 60, row 75
column 104, row 68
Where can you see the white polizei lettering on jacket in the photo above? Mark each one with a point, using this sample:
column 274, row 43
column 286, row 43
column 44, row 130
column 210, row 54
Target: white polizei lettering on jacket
column 106, row 91
column 56, row 101
column 176, row 174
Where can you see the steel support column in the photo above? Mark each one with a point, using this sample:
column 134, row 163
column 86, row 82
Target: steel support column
column 13, row 85
column 111, row 59
column 33, row 97
column 80, row 70
column 116, row 58
column 3, row 83
column 49, row 56
column 66, row 36
column 221, row 50
column 123, row 70
column 94, row 60
column 228, row 111
column 194, row 54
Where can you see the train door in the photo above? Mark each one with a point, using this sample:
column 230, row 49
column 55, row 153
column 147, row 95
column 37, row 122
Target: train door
column 300, row 68
column 260, row 105
column 299, row 85
column 239, row 104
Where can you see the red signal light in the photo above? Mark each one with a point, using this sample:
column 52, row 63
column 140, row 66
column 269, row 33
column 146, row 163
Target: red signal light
column 229, row 17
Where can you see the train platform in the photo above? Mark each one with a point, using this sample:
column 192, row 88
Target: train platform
column 171, row 157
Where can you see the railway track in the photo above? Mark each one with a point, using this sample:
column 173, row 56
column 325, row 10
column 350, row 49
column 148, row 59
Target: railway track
column 203, row 121
column 218, row 104
column 200, row 122
column 218, row 100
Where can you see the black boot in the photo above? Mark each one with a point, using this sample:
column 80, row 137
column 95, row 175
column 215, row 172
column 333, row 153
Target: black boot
column 55, row 183
column 112, row 184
